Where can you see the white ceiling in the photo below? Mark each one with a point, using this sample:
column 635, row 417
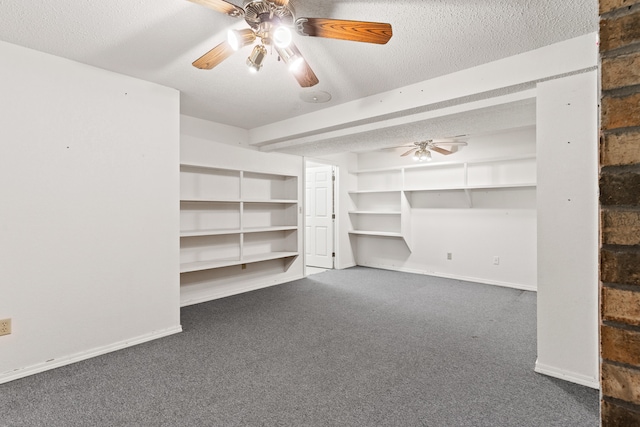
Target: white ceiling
column 157, row 40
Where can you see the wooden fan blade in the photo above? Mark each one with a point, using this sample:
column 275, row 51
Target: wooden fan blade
column 303, row 73
column 214, row 57
column 440, row 150
column 305, row 76
column 359, row 31
column 408, row 152
column 221, row 6
column 448, row 142
column 280, row 3
column 395, row 147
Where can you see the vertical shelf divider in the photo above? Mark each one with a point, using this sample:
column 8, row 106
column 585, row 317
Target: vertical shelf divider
column 405, row 211
column 241, row 197
column 465, row 182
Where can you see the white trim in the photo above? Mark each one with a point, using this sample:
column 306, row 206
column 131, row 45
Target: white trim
column 519, row 286
column 68, row 360
column 573, row 377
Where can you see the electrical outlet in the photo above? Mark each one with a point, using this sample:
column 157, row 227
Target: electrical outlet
column 449, row 255
column 496, row 260
column 5, row 326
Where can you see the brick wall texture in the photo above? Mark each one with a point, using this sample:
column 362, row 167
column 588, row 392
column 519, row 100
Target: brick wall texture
column 620, row 212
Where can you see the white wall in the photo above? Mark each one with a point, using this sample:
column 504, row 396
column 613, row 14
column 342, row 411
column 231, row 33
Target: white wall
column 209, row 144
column 567, row 111
column 501, row 222
column 89, row 213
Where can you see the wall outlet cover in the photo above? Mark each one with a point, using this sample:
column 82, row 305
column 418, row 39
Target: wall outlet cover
column 5, row 327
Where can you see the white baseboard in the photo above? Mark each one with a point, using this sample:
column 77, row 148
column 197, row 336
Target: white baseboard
column 67, row 360
column 455, row 277
column 573, row 377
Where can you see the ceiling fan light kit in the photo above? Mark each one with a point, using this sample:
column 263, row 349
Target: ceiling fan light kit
column 282, row 37
column 255, row 60
column 272, row 21
column 238, row 39
column 422, row 155
column 290, row 57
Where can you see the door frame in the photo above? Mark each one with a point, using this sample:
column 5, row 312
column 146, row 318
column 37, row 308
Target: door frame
column 310, row 162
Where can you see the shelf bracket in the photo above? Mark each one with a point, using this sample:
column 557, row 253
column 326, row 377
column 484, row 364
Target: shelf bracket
column 467, row 193
column 288, row 262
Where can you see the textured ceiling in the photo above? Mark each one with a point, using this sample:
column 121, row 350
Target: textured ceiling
column 510, row 115
column 156, row 40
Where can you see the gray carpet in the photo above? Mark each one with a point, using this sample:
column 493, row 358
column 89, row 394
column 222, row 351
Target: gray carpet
column 356, row 347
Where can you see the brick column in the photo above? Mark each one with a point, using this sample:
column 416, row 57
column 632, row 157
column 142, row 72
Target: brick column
column 620, row 212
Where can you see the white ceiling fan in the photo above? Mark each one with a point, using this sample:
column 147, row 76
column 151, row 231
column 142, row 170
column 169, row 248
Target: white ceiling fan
column 422, row 149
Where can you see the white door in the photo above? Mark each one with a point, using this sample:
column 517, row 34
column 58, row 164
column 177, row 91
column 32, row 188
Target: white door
column 319, row 216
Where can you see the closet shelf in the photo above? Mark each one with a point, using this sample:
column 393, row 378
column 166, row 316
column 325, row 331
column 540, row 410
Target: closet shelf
column 220, row 263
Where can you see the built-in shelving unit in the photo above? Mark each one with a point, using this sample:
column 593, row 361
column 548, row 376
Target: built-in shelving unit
column 381, row 205
column 235, row 217
column 379, row 213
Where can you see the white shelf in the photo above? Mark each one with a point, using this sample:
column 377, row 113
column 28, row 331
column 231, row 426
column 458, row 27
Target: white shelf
column 284, row 201
column 441, row 164
column 226, row 169
column 217, row 201
column 473, row 187
column 374, row 191
column 376, row 233
column 375, row 212
column 268, row 256
column 199, row 233
column 209, row 265
column 269, row 229
column 451, row 188
column 498, row 186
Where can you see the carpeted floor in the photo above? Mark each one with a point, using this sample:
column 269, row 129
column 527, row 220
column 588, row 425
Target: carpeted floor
column 356, row 347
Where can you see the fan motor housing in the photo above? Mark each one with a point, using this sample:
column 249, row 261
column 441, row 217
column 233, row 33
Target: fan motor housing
column 260, row 11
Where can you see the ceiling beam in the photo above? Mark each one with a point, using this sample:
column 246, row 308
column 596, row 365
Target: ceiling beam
column 544, row 63
column 402, row 120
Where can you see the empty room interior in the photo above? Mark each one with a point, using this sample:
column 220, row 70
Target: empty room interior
column 301, row 213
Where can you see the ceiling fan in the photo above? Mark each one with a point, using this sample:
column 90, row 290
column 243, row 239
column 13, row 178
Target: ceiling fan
column 271, row 22
column 422, row 150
